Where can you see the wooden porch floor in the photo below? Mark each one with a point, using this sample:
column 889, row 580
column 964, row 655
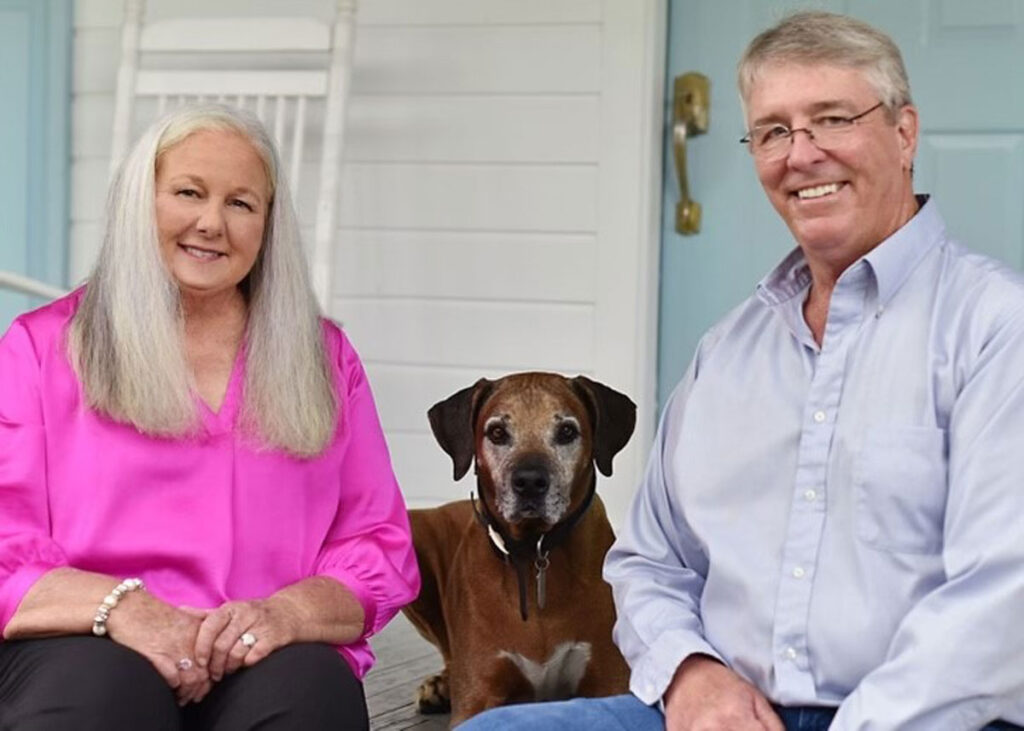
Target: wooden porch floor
column 403, row 660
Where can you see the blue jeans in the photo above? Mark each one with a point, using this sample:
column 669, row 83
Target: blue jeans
column 627, row 713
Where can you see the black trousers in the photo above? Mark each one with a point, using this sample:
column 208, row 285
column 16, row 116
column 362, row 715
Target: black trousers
column 94, row 684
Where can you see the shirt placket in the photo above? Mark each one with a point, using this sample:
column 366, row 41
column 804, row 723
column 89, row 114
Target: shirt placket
column 794, row 679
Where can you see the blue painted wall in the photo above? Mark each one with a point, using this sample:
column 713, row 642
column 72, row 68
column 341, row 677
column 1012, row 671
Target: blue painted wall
column 35, row 86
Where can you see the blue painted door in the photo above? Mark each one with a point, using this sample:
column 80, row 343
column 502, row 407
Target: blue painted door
column 963, row 58
column 35, row 44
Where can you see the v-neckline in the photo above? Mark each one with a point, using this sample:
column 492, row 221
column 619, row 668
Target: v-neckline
column 223, row 419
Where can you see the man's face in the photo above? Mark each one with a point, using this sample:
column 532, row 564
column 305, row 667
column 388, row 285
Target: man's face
column 868, row 192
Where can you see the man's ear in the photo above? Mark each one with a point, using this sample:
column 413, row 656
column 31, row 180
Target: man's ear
column 908, row 127
column 452, row 421
column 612, row 418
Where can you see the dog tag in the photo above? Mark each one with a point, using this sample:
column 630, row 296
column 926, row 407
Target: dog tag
column 541, row 564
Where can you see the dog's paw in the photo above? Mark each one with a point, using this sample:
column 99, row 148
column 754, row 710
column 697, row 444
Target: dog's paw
column 432, row 696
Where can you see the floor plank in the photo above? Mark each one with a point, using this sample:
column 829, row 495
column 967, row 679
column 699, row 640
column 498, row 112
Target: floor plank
column 403, row 660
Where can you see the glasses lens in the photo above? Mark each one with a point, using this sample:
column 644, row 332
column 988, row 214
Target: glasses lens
column 771, row 147
column 831, row 132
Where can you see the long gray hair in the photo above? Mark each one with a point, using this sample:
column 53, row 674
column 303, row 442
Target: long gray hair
column 127, row 341
column 812, row 36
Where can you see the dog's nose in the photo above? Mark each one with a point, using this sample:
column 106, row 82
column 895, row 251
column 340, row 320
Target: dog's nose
column 530, row 482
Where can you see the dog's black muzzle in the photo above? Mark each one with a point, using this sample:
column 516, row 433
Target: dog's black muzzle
column 530, row 481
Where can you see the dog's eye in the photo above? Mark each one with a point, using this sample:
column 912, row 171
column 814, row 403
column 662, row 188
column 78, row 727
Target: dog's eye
column 566, row 433
column 497, row 434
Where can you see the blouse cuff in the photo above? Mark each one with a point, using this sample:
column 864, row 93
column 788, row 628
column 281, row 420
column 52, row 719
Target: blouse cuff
column 17, row 585
column 359, row 590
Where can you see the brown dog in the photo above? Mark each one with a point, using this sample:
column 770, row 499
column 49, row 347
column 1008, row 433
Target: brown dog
column 512, row 591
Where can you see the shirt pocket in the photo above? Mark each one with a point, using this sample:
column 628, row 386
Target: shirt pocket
column 901, row 489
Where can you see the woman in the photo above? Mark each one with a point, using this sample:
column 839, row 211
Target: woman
column 193, row 478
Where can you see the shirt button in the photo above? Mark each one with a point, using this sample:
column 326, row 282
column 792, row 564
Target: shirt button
column 810, row 495
column 819, row 416
column 790, row 653
column 798, row 572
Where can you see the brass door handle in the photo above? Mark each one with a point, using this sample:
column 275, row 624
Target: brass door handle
column 690, row 105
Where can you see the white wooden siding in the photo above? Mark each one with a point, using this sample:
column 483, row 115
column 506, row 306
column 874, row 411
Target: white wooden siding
column 501, row 266
column 497, row 201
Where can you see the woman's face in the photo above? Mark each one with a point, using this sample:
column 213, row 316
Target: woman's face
column 212, row 197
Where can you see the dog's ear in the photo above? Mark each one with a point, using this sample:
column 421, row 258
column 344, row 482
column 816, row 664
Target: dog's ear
column 452, row 422
column 612, row 416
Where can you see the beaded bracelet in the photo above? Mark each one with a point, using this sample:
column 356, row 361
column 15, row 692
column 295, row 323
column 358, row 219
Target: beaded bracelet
column 99, row 622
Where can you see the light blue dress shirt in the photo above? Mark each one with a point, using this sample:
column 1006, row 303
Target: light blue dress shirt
column 844, row 525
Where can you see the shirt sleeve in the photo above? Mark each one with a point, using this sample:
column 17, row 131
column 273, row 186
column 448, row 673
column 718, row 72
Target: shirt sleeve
column 26, row 549
column 657, row 568
column 369, row 545
column 955, row 661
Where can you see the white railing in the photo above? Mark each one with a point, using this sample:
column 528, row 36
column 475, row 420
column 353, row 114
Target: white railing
column 26, row 285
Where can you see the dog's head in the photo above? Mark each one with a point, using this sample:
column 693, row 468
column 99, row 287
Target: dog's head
column 536, row 438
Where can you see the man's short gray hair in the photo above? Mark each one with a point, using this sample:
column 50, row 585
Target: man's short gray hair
column 818, row 37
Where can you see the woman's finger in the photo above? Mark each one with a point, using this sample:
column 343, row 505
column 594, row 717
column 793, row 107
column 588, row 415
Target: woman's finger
column 266, row 643
column 192, row 682
column 167, row 670
column 230, row 636
column 238, row 652
column 209, row 631
column 202, row 691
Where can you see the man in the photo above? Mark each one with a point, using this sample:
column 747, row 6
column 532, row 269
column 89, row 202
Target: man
column 830, row 531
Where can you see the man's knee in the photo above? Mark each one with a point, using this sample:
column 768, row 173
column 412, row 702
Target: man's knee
column 625, row 712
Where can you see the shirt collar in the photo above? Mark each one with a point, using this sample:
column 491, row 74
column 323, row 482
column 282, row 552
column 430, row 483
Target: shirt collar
column 787, row 280
column 891, row 261
column 894, row 259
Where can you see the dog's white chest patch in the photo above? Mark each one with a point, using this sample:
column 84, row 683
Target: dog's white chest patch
column 557, row 678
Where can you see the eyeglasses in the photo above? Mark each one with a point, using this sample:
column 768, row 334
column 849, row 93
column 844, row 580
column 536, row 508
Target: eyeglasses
column 772, row 141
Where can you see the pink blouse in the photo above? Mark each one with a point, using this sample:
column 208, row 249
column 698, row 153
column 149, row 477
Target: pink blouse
column 201, row 520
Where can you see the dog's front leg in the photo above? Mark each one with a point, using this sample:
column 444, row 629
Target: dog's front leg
column 497, row 682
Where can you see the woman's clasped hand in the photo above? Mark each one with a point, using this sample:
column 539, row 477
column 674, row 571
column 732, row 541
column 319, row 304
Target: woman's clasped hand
column 166, row 636
column 241, row 633
column 194, row 648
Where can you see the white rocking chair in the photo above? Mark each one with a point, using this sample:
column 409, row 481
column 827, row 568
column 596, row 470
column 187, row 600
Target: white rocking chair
column 280, row 68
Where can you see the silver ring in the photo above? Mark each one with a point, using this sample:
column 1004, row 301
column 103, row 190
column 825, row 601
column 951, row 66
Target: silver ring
column 184, row 664
column 248, row 639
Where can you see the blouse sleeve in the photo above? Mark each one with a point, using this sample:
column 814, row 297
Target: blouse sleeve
column 369, row 546
column 26, row 549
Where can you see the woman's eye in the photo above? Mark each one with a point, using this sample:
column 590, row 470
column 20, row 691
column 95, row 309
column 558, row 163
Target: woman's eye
column 566, row 433
column 238, row 203
column 188, row 192
column 497, row 435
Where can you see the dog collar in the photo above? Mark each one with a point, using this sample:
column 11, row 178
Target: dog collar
column 496, row 539
column 517, row 552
